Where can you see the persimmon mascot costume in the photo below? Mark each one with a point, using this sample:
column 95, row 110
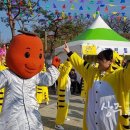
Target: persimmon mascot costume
column 25, row 60
column 64, row 84
column 107, row 104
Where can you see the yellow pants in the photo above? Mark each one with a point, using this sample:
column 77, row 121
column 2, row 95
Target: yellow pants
column 42, row 94
column 62, row 113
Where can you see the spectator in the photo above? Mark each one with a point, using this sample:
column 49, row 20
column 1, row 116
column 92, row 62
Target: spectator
column 73, row 77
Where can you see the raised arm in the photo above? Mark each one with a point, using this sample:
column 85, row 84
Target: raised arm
column 65, row 69
column 51, row 75
column 78, row 63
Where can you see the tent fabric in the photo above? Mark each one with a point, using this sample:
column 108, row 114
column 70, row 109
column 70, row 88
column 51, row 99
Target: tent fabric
column 100, row 35
column 104, row 34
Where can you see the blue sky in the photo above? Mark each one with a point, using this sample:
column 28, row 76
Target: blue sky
column 87, row 8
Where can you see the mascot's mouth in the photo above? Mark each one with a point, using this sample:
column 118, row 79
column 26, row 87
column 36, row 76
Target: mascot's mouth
column 29, row 69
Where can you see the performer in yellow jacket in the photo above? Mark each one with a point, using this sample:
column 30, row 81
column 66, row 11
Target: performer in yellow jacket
column 2, row 67
column 42, row 93
column 107, row 104
column 64, row 84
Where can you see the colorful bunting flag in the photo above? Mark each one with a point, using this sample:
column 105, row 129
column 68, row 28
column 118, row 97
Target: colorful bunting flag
column 106, row 16
column 102, row 5
column 88, row 8
column 69, row 14
column 106, row 9
column 54, row 6
column 88, row 16
column 70, row 17
column 123, row 7
column 80, row 8
column 81, row 16
column 64, row 6
column 72, row 7
column 47, row 6
column 94, row 15
column 118, row 18
column 111, row 5
column 29, row 3
column 75, row 7
column 63, row 14
column 97, row 12
column 111, row 0
column 123, row 13
column 122, row 1
column 56, row 12
column 125, row 18
column 71, row 1
column 91, row 2
column 114, row 13
column 98, row 8
column 21, row 2
column 99, row 2
column 75, row 16
column 81, row 1
column 38, row 3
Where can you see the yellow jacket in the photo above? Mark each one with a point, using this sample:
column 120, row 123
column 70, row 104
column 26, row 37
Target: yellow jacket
column 63, row 92
column 115, row 81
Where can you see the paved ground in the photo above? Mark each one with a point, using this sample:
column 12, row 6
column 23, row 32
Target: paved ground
column 48, row 113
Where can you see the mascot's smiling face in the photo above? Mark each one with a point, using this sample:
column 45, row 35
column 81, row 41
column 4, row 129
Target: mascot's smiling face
column 25, row 55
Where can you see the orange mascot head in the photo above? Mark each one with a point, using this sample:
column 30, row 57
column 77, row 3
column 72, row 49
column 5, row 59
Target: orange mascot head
column 25, row 55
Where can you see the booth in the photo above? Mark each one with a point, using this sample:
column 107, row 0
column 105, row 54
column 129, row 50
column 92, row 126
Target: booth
column 97, row 37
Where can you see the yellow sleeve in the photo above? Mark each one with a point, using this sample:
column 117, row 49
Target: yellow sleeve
column 65, row 69
column 64, row 72
column 126, row 74
column 120, row 79
column 81, row 66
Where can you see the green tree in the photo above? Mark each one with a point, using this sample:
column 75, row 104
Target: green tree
column 20, row 11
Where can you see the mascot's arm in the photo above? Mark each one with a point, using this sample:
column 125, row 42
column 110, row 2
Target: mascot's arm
column 80, row 65
column 48, row 78
column 3, row 80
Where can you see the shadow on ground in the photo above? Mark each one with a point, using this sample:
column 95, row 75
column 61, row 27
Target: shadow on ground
column 75, row 114
column 76, row 108
column 50, row 123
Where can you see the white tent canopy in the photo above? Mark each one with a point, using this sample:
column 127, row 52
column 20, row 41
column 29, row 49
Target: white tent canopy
column 100, row 35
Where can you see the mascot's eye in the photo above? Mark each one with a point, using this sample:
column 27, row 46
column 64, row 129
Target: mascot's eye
column 40, row 56
column 27, row 55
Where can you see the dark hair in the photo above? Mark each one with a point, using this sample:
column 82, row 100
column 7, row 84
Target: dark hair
column 105, row 54
column 73, row 70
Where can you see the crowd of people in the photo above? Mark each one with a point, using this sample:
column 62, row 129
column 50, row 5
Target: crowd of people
column 104, row 86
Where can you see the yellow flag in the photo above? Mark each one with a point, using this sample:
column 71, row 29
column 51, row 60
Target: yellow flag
column 63, row 14
column 125, row 18
column 111, row 5
column 72, row 7
column 114, row 12
column 94, row 15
